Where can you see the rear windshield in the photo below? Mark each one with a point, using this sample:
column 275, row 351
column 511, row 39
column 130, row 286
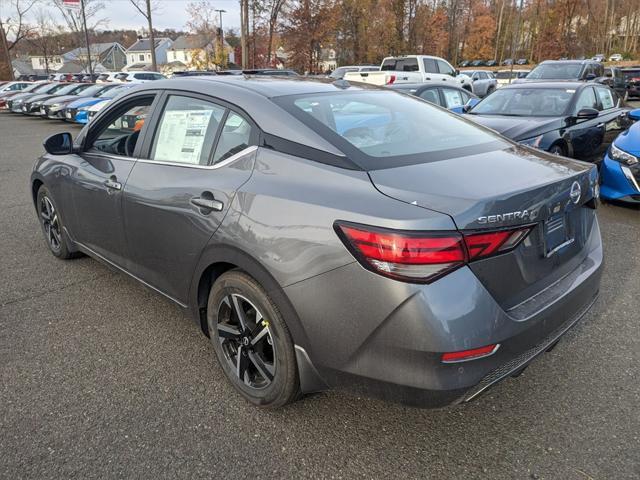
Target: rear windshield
column 503, row 75
column 526, row 102
column 556, row 71
column 631, row 74
column 386, row 128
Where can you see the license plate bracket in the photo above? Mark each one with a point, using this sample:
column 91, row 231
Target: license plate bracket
column 556, row 234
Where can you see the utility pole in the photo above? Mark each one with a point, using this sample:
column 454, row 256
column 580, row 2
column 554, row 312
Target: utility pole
column 244, row 29
column 152, row 38
column 5, row 50
column 223, row 54
column 86, row 37
column 518, row 4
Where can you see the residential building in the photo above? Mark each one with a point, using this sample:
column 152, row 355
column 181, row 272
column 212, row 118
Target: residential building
column 139, row 54
column 111, row 56
column 52, row 62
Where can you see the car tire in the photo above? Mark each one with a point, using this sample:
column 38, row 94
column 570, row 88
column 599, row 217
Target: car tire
column 252, row 341
column 51, row 222
column 557, row 149
column 490, row 90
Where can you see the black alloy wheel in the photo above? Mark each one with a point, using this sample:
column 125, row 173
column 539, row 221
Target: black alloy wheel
column 246, row 341
column 50, row 223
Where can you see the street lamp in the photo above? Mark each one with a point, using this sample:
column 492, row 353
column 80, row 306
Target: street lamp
column 221, row 34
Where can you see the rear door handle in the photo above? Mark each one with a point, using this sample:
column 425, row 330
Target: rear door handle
column 210, row 204
column 113, row 184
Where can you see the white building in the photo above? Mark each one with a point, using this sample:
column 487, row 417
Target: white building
column 139, row 54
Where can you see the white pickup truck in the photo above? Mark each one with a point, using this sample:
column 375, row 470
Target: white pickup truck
column 413, row 69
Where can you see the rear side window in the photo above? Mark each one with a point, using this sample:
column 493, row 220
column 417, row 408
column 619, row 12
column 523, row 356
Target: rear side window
column 234, row 138
column 186, row 131
column 409, row 65
column 430, row 65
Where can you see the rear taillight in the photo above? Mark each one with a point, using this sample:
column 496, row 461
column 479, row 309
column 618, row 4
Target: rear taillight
column 422, row 257
column 391, row 79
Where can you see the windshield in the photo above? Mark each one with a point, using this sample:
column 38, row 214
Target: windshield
column 92, row 90
column 556, row 71
column 112, row 92
column 503, row 75
column 66, row 89
column 525, row 102
column 385, row 124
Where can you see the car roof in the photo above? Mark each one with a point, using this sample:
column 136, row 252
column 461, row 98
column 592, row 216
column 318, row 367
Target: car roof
column 550, row 84
column 263, row 85
column 568, row 62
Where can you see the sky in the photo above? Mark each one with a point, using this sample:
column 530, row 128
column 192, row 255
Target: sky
column 170, row 13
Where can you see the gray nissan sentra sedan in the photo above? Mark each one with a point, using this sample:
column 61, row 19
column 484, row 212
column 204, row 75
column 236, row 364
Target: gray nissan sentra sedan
column 326, row 235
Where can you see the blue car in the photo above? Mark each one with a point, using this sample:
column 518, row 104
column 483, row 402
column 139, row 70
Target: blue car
column 620, row 171
column 72, row 112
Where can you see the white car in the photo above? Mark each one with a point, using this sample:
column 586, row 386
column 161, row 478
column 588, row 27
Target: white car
column 107, row 77
column 340, row 72
column 413, row 69
column 616, row 57
column 138, row 77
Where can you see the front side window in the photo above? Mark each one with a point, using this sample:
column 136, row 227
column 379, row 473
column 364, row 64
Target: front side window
column 186, row 131
column 234, row 138
column 587, row 99
column 121, row 132
column 606, row 98
column 430, row 95
column 386, row 124
column 445, row 68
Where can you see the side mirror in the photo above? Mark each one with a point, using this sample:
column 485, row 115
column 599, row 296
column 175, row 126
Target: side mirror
column 634, row 114
column 456, row 72
column 590, row 76
column 59, row 144
column 472, row 102
column 587, row 114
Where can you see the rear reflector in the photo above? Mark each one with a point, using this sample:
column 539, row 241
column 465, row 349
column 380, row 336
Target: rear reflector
column 473, row 354
column 422, row 257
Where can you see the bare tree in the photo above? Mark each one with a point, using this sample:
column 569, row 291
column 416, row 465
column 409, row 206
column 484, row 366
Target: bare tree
column 15, row 29
column 274, row 10
column 75, row 23
column 145, row 9
column 43, row 37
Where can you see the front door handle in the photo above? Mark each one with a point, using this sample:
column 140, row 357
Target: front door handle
column 210, row 204
column 113, row 183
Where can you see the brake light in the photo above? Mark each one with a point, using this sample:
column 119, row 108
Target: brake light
column 472, row 354
column 423, row 257
column 391, row 79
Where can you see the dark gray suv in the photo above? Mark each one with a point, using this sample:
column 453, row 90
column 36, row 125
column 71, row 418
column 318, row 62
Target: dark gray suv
column 326, row 235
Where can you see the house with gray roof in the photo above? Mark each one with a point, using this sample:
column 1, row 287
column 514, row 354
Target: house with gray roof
column 139, row 53
column 111, row 56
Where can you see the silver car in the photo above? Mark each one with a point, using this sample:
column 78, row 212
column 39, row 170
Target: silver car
column 325, row 235
column 483, row 82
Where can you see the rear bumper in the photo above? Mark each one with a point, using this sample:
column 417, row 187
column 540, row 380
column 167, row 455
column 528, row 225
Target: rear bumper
column 382, row 338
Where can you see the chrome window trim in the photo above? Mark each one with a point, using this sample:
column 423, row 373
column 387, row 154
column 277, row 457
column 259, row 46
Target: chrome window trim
column 215, row 166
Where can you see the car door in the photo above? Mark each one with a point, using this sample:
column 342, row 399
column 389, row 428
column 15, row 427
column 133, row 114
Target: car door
column 177, row 195
column 586, row 136
column 97, row 176
column 447, row 72
column 612, row 117
column 431, row 72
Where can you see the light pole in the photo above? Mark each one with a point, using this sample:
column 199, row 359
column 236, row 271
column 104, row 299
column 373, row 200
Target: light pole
column 223, row 56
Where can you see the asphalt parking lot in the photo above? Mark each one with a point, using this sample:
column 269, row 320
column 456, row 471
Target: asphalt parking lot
column 102, row 378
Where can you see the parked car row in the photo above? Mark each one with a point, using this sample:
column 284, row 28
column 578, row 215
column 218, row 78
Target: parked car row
column 124, row 77
column 73, row 102
column 492, row 63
